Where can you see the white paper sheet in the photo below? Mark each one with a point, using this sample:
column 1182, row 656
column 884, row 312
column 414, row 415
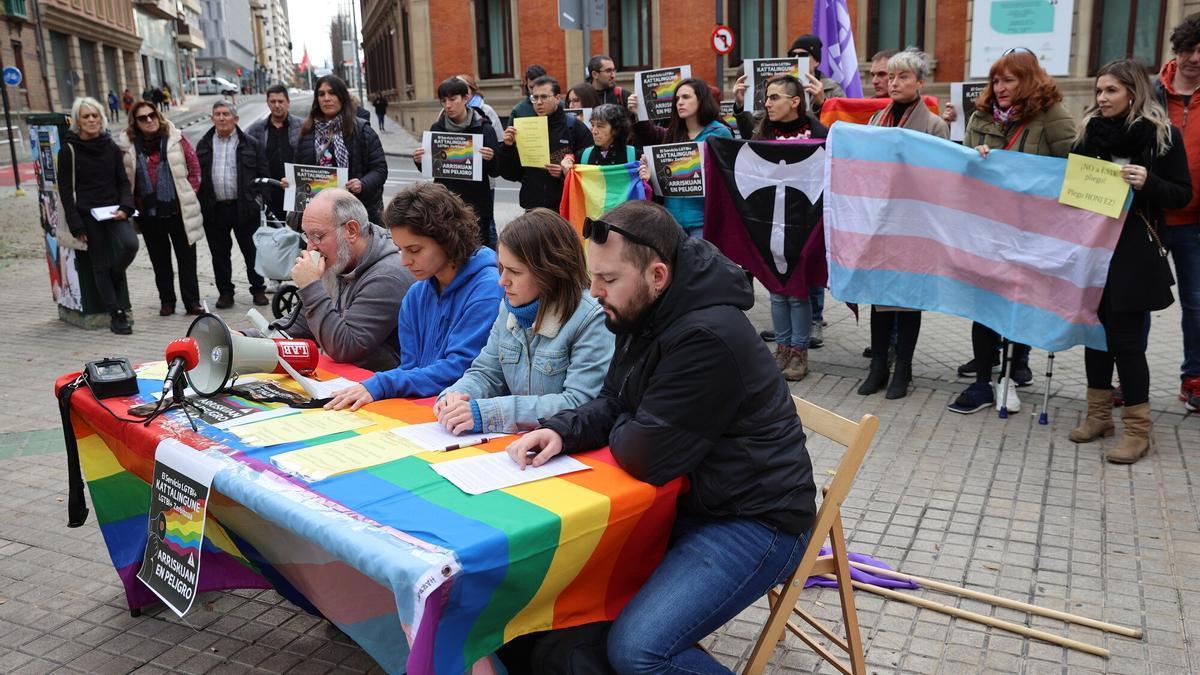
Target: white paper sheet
column 433, row 436
column 496, row 471
column 317, row 389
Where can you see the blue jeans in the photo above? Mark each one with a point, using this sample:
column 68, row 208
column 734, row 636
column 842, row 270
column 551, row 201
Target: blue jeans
column 792, row 319
column 816, row 297
column 713, row 570
column 1184, row 244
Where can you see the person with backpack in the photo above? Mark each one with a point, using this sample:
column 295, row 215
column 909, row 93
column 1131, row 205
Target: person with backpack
column 602, row 74
column 611, row 139
column 568, row 138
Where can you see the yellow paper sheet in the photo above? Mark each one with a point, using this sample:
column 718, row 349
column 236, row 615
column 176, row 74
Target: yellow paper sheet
column 152, row 370
column 332, row 459
column 533, row 141
column 1094, row 185
column 302, row 427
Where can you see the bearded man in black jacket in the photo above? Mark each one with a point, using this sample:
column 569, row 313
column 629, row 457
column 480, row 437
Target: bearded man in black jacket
column 691, row 391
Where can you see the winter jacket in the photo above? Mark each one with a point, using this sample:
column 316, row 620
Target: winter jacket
column 367, row 163
column 1179, row 109
column 538, row 188
column 688, row 211
column 90, row 174
column 358, row 326
column 477, row 194
column 185, row 172
column 1049, row 133
column 258, row 131
column 523, row 375
column 251, row 164
column 693, row 391
column 442, row 331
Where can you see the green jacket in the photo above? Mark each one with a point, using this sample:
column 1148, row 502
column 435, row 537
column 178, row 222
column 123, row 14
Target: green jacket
column 1050, row 133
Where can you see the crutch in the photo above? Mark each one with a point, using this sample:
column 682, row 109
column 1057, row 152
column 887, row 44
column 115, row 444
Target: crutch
column 1044, row 418
column 1002, row 390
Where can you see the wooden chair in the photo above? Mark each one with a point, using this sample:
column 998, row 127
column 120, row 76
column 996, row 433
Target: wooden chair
column 856, row 436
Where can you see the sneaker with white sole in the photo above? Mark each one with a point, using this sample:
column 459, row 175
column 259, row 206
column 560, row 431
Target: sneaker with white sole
column 1012, row 401
column 973, row 399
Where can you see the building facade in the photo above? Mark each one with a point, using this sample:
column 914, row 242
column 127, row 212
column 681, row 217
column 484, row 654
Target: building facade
column 229, row 36
column 278, row 47
column 190, row 38
column 159, row 55
column 412, row 45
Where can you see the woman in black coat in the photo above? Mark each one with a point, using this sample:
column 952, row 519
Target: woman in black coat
column 333, row 136
column 1126, row 125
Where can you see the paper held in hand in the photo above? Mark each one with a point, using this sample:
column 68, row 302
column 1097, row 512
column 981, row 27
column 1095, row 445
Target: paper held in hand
column 1094, row 185
column 963, row 95
column 758, row 71
column 450, row 156
column 655, row 91
column 677, row 169
column 533, row 141
column 496, row 471
column 305, row 181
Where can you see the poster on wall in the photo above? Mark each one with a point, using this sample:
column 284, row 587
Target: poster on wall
column 1042, row 27
column 60, row 260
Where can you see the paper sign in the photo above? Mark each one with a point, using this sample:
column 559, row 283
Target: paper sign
column 178, row 504
column 582, row 114
column 1094, row 185
column 676, row 169
column 452, row 156
column 496, row 471
column 963, row 95
column 533, row 141
column 655, row 91
column 305, row 181
column 758, row 71
column 433, row 436
column 301, row 427
column 317, row 389
column 352, row 454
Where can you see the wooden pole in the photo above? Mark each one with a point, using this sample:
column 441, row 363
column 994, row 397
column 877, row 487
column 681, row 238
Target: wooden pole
column 1004, row 602
column 980, row 618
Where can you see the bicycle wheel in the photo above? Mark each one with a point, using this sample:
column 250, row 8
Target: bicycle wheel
column 285, row 301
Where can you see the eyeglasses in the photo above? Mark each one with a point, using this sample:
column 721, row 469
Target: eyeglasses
column 145, row 118
column 314, row 238
column 609, row 70
column 1014, row 50
column 597, row 230
column 541, row 97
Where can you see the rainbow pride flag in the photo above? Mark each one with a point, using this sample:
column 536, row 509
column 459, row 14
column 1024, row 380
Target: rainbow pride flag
column 859, row 110
column 181, row 533
column 462, row 153
column 686, row 167
column 591, row 190
column 912, row 220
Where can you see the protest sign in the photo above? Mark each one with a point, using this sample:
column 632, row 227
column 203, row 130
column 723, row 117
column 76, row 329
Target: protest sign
column 1094, row 185
column 655, row 91
column 676, row 169
column 305, row 181
column 758, row 71
column 452, row 156
column 533, row 141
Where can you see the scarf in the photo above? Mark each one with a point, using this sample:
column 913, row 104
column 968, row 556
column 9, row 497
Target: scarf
column 1011, row 115
column 330, row 144
column 790, row 129
column 525, row 314
column 898, row 113
column 161, row 186
column 1107, row 138
column 454, row 127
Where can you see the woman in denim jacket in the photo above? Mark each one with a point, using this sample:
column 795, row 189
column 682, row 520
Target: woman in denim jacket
column 549, row 348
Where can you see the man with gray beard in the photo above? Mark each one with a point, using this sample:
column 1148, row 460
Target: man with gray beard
column 351, row 283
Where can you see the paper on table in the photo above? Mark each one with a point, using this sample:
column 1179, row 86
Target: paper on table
column 433, row 436
column 331, row 459
column 256, row 417
column 316, row 388
column 152, row 370
column 533, row 141
column 301, row 427
column 496, row 471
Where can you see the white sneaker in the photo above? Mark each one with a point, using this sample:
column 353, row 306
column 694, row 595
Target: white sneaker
column 1013, row 403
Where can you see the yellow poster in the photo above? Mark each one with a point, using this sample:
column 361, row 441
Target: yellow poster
column 1094, row 185
column 319, row 462
column 533, row 141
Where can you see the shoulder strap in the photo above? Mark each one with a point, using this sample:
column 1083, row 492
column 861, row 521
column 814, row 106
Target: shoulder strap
column 587, row 153
column 630, row 154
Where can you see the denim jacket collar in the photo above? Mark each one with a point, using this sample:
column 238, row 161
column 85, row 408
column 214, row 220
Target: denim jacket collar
column 551, row 324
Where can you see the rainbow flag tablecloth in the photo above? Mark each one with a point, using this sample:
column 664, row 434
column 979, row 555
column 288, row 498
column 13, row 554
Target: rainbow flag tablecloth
column 424, row 577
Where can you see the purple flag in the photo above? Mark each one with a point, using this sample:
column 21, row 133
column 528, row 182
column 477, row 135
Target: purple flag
column 831, row 23
column 861, row 575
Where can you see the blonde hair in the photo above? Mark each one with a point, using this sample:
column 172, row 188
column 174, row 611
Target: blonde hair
column 87, row 102
column 1142, row 104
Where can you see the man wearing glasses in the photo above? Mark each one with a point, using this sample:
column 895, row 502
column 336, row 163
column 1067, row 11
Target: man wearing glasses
column 543, row 186
column 351, row 283
column 691, row 391
column 602, row 73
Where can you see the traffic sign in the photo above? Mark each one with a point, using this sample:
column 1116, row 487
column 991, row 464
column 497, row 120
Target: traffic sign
column 12, row 76
column 722, row 40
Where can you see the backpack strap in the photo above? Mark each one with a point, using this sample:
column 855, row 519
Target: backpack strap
column 587, row 153
column 629, row 154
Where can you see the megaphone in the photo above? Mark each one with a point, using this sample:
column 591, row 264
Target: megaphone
column 225, row 354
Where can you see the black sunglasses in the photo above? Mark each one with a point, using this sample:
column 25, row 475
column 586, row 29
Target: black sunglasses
column 597, row 230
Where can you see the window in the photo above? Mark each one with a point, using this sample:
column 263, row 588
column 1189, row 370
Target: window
column 896, row 24
column 753, row 22
column 493, row 35
column 407, row 39
column 91, row 74
column 629, row 39
column 64, row 76
column 1128, row 28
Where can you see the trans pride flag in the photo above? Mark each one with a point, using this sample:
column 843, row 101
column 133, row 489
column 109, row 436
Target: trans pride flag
column 591, row 190
column 916, row 221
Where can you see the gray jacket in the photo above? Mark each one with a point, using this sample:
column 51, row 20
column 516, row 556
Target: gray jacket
column 258, row 131
column 359, row 326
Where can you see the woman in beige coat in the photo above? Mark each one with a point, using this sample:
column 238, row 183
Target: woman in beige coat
column 906, row 77
column 165, row 175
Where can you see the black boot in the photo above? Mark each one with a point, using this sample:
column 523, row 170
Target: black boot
column 901, row 378
column 877, row 377
column 120, row 323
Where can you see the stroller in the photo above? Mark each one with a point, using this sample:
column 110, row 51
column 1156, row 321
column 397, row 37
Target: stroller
column 277, row 243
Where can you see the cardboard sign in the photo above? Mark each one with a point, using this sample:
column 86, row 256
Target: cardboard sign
column 677, row 169
column 1094, row 185
column 655, row 91
column 452, row 156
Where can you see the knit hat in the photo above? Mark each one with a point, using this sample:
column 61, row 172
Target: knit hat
column 809, row 43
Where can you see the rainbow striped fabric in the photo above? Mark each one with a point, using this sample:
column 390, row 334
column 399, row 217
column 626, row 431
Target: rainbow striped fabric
column 462, row 153
column 589, row 190
column 912, row 220
column 424, row 577
column 859, row 110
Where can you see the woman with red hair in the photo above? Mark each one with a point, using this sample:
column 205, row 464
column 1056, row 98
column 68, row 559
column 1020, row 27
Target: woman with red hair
column 1020, row 109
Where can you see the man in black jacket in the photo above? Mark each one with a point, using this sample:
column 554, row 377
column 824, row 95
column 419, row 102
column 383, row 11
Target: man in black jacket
column 229, row 162
column 692, row 391
column 543, row 186
column 459, row 118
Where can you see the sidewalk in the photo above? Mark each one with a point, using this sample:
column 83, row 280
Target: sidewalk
column 1008, row 507
column 396, row 140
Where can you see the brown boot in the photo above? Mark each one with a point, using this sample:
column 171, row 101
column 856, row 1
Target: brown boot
column 1099, row 421
column 1135, row 439
column 797, row 367
column 783, row 354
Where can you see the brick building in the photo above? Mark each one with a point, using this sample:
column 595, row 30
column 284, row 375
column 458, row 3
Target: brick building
column 411, row 45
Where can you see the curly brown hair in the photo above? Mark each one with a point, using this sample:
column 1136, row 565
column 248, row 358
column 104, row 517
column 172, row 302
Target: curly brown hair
column 432, row 210
column 547, row 244
column 1036, row 90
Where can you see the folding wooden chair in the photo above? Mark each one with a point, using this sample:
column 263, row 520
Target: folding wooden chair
column 856, row 436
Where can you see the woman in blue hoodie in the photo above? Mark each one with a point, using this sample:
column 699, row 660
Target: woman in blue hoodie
column 446, row 315
column 549, row 348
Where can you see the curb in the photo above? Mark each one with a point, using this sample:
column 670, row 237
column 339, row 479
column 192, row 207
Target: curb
column 405, row 153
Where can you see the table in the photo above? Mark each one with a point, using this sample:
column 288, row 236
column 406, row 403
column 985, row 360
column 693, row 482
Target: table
column 395, row 550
